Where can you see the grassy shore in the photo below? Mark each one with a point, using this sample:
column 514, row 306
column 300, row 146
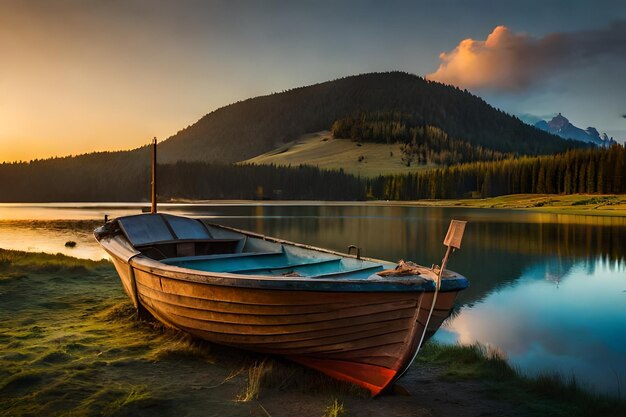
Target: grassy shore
column 70, row 344
column 577, row 204
column 584, row 204
column 545, row 395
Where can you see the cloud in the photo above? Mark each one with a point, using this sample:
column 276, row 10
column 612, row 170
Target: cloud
column 508, row 61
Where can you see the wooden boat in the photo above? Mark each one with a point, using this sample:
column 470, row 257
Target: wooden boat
column 357, row 319
column 327, row 310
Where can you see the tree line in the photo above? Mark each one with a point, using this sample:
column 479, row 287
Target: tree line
column 599, row 171
column 120, row 176
column 421, row 144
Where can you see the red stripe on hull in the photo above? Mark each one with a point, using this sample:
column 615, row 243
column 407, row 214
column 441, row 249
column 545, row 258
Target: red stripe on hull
column 372, row 377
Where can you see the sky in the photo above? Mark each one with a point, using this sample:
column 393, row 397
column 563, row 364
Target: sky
column 79, row 76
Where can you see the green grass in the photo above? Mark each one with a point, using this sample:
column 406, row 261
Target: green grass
column 549, row 395
column 43, row 262
column 577, row 204
column 601, row 200
column 135, row 395
column 70, row 344
column 178, row 345
column 469, row 362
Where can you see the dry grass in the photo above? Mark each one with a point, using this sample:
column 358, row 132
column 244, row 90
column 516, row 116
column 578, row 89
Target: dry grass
column 276, row 374
column 321, row 150
column 256, row 372
column 290, row 377
column 135, row 395
column 336, row 409
column 178, row 345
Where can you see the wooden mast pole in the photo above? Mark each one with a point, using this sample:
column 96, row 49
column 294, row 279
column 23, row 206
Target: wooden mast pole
column 153, row 209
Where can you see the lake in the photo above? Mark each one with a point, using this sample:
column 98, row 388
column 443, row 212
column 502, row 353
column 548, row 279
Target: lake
column 548, row 290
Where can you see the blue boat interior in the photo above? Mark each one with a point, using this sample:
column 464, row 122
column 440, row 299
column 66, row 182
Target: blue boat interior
column 190, row 243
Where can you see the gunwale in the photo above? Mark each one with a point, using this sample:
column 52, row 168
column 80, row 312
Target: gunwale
column 451, row 282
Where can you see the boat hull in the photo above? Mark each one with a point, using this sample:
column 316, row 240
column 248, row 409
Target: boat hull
column 367, row 338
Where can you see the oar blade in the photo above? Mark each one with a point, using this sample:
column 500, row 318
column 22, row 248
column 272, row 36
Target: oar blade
column 455, row 234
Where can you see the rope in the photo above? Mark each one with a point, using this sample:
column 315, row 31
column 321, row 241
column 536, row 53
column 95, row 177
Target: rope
column 432, row 308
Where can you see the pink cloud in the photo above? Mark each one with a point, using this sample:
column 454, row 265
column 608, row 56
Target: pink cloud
column 509, row 61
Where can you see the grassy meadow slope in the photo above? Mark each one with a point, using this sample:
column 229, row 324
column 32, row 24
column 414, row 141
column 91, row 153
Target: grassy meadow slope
column 320, row 149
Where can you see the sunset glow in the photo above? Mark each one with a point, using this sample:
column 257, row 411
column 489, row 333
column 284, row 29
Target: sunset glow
column 213, row 207
column 79, row 77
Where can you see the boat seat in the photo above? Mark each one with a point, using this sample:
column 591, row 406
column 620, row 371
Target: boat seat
column 226, row 263
column 299, row 266
column 189, row 248
column 217, row 256
column 356, row 272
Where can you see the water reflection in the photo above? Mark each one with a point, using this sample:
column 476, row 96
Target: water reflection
column 549, row 290
column 495, row 251
column 574, row 326
column 51, row 236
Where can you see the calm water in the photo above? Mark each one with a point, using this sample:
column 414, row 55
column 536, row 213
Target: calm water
column 548, row 290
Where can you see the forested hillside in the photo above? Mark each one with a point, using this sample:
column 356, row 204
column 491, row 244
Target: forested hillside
column 590, row 171
column 251, row 127
column 113, row 177
column 102, row 176
column 421, row 144
column 438, row 124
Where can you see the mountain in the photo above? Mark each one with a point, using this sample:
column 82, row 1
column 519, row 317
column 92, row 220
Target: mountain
column 559, row 125
column 249, row 128
column 438, row 125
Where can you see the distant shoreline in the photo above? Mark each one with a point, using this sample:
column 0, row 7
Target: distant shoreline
column 609, row 205
column 578, row 204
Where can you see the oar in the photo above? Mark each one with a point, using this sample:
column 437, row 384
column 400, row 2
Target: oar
column 452, row 241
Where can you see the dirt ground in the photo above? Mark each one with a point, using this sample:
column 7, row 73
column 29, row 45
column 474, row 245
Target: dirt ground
column 421, row 393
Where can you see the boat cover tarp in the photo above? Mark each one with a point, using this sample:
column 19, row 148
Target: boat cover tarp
column 147, row 229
